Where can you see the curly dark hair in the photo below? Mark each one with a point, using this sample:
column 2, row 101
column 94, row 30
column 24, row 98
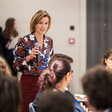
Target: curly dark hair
column 58, row 68
column 107, row 53
column 97, row 84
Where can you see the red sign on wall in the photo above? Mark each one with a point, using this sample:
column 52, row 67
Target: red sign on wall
column 71, row 40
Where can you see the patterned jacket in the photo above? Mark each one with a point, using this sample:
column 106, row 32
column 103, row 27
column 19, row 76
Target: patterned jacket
column 23, row 48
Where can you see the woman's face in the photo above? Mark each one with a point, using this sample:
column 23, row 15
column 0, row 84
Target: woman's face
column 42, row 26
column 70, row 75
column 108, row 62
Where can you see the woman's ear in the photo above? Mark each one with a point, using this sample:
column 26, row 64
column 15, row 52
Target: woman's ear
column 105, row 60
column 67, row 76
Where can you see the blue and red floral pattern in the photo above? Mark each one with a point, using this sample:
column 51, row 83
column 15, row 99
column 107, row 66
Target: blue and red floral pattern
column 23, row 48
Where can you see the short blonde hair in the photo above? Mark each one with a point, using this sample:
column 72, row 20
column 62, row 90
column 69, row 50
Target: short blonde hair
column 37, row 17
column 4, row 67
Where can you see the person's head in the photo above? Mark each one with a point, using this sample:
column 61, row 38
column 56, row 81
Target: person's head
column 59, row 70
column 55, row 102
column 107, row 59
column 10, row 94
column 59, row 55
column 0, row 29
column 97, row 85
column 4, row 67
column 40, row 20
column 10, row 28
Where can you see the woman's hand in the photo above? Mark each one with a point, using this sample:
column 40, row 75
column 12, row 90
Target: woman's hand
column 84, row 107
column 35, row 51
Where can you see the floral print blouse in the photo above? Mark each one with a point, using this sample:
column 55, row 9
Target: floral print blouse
column 23, row 48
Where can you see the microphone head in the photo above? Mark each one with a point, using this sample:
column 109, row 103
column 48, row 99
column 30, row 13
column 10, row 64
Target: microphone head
column 37, row 45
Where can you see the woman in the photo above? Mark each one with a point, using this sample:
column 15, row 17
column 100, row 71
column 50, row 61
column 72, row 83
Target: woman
column 57, row 77
column 9, row 34
column 4, row 67
column 107, row 59
column 32, row 53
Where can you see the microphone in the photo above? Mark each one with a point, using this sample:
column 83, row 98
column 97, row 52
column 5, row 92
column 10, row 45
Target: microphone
column 37, row 55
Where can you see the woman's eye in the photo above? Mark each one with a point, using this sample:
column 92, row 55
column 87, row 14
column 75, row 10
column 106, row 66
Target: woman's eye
column 110, row 59
column 46, row 23
column 40, row 22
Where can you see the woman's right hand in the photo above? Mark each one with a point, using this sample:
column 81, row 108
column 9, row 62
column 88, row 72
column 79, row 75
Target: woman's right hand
column 84, row 107
column 35, row 51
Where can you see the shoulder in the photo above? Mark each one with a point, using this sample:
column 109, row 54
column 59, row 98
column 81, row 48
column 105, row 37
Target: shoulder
column 78, row 107
column 27, row 37
column 48, row 38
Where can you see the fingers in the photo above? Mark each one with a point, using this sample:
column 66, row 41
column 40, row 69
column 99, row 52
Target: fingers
column 84, row 107
column 34, row 52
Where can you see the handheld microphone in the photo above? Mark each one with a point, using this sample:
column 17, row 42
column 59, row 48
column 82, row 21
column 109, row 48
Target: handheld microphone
column 37, row 55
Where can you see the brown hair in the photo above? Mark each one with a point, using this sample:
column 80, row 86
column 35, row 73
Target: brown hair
column 10, row 94
column 59, row 55
column 107, row 53
column 55, row 102
column 97, row 84
column 9, row 30
column 37, row 17
column 56, row 71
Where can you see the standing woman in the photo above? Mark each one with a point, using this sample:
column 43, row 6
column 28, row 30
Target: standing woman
column 107, row 59
column 32, row 53
column 9, row 33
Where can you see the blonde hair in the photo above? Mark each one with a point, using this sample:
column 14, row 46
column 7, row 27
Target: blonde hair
column 37, row 17
column 4, row 67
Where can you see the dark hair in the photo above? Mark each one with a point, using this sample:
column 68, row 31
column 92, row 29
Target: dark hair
column 0, row 29
column 97, row 84
column 10, row 94
column 59, row 55
column 55, row 102
column 107, row 53
column 8, row 31
column 57, row 70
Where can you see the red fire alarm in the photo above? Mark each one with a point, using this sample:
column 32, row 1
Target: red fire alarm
column 71, row 40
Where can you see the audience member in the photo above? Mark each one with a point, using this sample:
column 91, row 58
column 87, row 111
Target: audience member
column 9, row 33
column 97, row 85
column 0, row 29
column 4, row 67
column 57, row 77
column 10, row 94
column 60, row 55
column 2, row 43
column 107, row 59
column 32, row 53
column 55, row 102
column 77, row 103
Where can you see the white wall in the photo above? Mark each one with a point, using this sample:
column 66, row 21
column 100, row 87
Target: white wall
column 64, row 13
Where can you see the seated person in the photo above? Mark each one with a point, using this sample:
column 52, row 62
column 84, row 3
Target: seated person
column 58, row 76
column 97, row 85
